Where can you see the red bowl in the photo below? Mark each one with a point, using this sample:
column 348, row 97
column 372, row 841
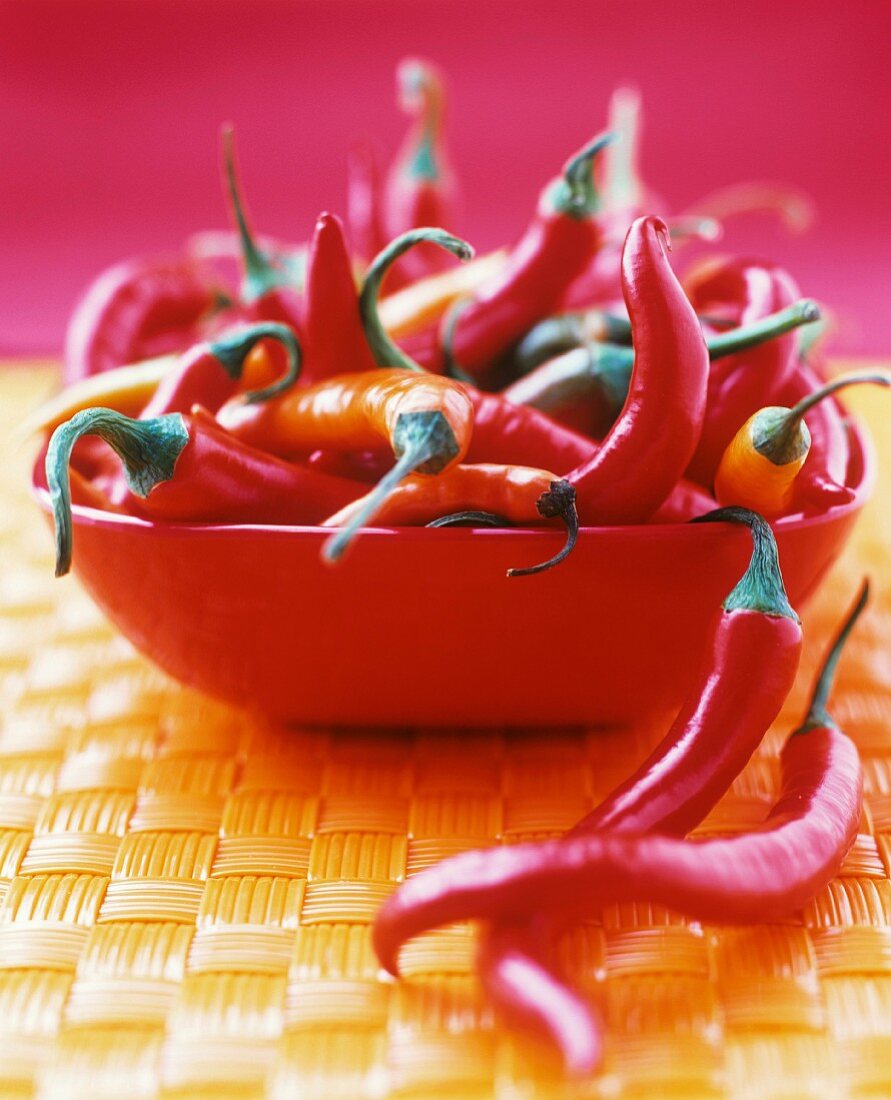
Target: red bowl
column 421, row 627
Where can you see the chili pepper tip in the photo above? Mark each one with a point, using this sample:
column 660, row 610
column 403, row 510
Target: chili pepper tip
column 558, row 501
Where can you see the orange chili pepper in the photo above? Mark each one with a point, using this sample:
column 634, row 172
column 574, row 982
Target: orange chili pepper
column 426, row 419
column 760, row 466
column 512, row 492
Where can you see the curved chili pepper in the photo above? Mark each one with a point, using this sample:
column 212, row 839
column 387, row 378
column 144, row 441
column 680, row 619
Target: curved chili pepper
column 334, row 335
column 186, row 468
column 649, row 446
column 761, row 465
column 763, row 875
column 420, row 186
column 509, row 491
column 557, row 244
column 136, row 310
column 585, row 388
column 208, row 374
column 267, row 288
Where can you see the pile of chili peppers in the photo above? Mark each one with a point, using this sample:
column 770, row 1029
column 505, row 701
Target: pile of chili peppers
column 365, row 377
column 573, row 377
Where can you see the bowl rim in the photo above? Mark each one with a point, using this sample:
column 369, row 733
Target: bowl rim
column 84, row 515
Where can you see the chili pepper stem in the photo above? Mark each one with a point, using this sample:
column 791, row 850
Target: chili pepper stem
column 148, row 449
column 818, row 716
column 232, row 350
column 800, row 313
column 558, row 501
column 878, row 378
column 471, row 519
column 260, row 276
column 424, row 442
column 386, row 353
column 761, row 587
column 575, row 193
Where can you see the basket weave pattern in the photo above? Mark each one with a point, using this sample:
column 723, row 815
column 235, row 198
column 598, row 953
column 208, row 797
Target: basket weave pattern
column 186, row 891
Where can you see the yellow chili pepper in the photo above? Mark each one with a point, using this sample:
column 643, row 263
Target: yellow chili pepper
column 761, row 462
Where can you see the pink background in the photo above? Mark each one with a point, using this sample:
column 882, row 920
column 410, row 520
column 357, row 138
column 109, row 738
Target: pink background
column 110, row 113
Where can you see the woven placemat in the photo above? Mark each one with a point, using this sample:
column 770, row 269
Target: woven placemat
column 186, row 892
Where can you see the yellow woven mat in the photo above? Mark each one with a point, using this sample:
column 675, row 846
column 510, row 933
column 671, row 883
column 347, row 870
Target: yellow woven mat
column 185, row 892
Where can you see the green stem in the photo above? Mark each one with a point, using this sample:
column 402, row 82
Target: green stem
column 818, row 716
column 424, row 442
column 802, row 312
column 761, row 586
column 781, row 434
column 622, row 186
column 558, row 501
column 148, row 449
column 231, row 350
column 421, row 94
column 575, row 193
column 386, row 353
column 260, row 276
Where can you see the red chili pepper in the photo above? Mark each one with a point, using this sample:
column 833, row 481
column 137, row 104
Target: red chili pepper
column 335, row 338
column 686, row 501
column 208, row 374
column 420, row 185
column 136, row 310
column 364, row 214
column 186, row 468
column 649, row 447
column 744, row 291
column 763, row 875
column 821, row 482
column 560, row 240
column 268, row 290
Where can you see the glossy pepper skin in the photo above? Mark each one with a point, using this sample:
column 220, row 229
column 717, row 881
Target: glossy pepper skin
column 558, row 243
column 762, row 463
column 420, row 185
column 186, row 468
column 510, row 492
column 209, row 373
column 333, row 332
column 651, row 443
column 763, row 875
column 742, row 291
column 746, row 672
column 136, row 310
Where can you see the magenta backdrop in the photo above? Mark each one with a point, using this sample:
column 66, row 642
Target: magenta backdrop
column 110, row 113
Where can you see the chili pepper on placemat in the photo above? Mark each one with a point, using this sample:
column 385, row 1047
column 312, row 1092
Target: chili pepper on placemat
column 420, row 185
column 761, row 465
column 746, row 672
column 651, row 443
column 562, row 237
column 186, row 468
column 136, row 310
column 763, row 875
column 509, row 491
